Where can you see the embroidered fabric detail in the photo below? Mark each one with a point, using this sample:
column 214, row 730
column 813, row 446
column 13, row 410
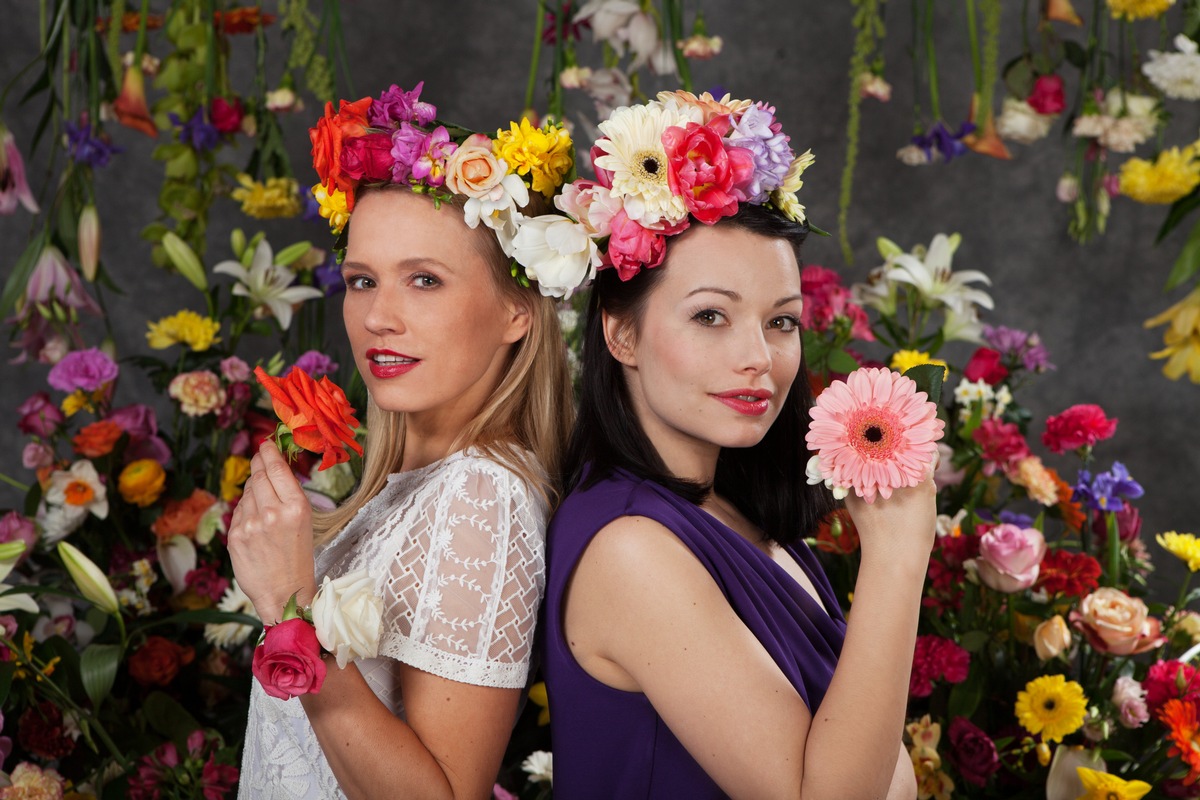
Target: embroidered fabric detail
column 457, row 550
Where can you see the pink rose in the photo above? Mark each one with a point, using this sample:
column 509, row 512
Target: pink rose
column 1009, row 557
column 1047, row 95
column 473, row 169
column 37, row 455
column 198, row 392
column 632, row 247
column 1130, row 699
column 1116, row 623
column 704, row 171
column 39, row 415
column 368, row 158
column 288, row 662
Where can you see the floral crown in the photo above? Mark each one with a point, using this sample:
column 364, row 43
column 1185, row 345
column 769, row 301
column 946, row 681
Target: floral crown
column 397, row 138
column 659, row 165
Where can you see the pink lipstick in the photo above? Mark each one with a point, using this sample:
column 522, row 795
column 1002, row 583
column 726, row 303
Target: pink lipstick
column 389, row 363
column 751, row 402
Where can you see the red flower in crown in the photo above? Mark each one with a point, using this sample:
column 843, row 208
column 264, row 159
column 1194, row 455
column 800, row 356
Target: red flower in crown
column 328, row 140
column 703, row 171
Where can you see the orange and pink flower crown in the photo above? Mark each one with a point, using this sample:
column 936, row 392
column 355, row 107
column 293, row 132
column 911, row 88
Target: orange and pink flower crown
column 664, row 163
column 397, row 138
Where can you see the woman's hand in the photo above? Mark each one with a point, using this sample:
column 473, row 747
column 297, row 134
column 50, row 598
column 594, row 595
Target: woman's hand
column 270, row 537
column 901, row 527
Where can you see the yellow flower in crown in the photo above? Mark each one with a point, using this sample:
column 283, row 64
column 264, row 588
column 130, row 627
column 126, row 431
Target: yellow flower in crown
column 545, row 154
column 278, row 197
column 185, row 327
column 1174, row 174
column 332, row 207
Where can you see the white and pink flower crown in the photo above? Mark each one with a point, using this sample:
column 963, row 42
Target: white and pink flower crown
column 659, row 165
column 397, row 138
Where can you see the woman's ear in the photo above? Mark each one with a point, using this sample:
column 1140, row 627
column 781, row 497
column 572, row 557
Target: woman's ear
column 520, row 317
column 618, row 336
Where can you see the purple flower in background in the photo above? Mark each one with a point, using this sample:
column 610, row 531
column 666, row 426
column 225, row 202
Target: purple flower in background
column 315, row 363
column 1108, row 490
column 758, row 132
column 83, row 369
column 940, row 138
column 95, row 151
column 1018, row 346
column 396, row 106
column 1013, row 518
column 329, row 276
column 196, row 133
column 39, row 416
column 312, row 209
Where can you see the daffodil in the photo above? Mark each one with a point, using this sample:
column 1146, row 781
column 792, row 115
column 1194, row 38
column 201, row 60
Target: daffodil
column 929, row 272
column 268, row 284
column 78, row 487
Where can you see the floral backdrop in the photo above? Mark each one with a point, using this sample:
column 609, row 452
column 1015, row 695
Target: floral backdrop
column 166, row 244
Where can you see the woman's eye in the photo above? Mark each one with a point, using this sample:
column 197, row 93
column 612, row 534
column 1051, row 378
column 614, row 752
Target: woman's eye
column 708, row 317
column 786, row 323
column 425, row 281
column 359, row 282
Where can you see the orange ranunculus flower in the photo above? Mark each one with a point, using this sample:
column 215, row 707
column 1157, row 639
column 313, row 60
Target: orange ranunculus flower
column 241, row 20
column 142, row 482
column 97, row 439
column 130, row 106
column 181, row 517
column 327, row 138
column 316, row 412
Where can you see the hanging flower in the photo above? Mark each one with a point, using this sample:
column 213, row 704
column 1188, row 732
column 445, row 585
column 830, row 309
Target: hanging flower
column 183, row 327
column 1183, row 546
column 1061, row 11
column 278, row 197
column 1052, row 706
column 1138, row 9
column 130, row 106
column 1170, row 177
column 874, row 432
column 1177, row 74
column 1182, row 338
column 86, row 149
column 1020, row 122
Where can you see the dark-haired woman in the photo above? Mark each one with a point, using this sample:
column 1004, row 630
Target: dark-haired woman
column 694, row 647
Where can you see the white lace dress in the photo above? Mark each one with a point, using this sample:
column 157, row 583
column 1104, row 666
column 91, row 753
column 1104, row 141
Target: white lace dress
column 457, row 550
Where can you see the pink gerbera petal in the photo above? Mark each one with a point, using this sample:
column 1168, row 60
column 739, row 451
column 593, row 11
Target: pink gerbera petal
column 874, row 432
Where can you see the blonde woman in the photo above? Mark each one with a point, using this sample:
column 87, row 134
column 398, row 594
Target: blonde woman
column 469, row 404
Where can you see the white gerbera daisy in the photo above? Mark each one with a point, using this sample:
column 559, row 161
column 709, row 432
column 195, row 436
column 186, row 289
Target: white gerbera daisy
column 228, row 635
column 634, row 154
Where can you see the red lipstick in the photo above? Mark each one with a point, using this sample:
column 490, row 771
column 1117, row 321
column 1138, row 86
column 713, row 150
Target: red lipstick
column 751, row 402
column 389, row 364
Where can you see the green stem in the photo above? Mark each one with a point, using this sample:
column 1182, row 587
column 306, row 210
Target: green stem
column 531, row 84
column 113, row 44
column 13, row 482
column 973, row 36
column 935, row 102
column 674, row 13
column 140, row 49
column 1114, row 550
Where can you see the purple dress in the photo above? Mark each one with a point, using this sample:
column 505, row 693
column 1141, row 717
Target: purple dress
column 610, row 743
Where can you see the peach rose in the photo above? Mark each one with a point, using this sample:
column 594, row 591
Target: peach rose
column 1116, row 623
column 1051, row 638
column 198, row 392
column 473, row 169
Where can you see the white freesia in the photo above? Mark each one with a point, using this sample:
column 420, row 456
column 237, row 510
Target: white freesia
column 176, row 558
column 557, row 253
column 1020, row 122
column 1176, row 74
column 816, row 477
column 228, row 635
column 498, row 209
column 540, row 767
column 268, row 284
column 348, row 616
column 929, row 272
column 91, row 581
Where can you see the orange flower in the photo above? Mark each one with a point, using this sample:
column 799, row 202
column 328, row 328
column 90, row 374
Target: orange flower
column 241, row 20
column 131, row 21
column 1061, row 11
column 1180, row 717
column 181, row 517
column 327, row 139
column 316, row 412
column 984, row 140
column 130, row 106
column 97, row 439
column 837, row 534
column 1072, row 512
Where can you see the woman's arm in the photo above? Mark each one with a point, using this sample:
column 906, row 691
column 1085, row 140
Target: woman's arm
column 456, row 733
column 643, row 614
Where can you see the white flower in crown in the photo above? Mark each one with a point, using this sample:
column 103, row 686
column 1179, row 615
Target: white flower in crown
column 499, row 208
column 635, row 158
column 557, row 253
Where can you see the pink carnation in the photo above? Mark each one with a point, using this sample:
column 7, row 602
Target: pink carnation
column 1078, row 426
column 936, row 658
column 1002, row 443
column 1167, row 680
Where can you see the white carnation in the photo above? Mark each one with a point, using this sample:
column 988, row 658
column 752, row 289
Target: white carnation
column 348, row 616
column 540, row 767
column 1020, row 122
column 1176, row 74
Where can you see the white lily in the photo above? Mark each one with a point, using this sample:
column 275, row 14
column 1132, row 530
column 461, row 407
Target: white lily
column 90, row 579
column 268, row 284
column 10, row 554
column 176, row 558
column 929, row 272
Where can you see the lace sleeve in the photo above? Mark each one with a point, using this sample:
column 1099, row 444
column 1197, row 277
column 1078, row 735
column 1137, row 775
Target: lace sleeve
column 461, row 594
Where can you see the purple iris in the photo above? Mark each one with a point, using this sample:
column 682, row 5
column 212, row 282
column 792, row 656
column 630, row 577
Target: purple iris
column 85, row 148
column 941, row 139
column 1014, row 518
column 1108, row 491
column 197, row 133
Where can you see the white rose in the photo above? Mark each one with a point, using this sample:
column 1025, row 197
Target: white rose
column 557, row 253
column 1019, row 122
column 348, row 616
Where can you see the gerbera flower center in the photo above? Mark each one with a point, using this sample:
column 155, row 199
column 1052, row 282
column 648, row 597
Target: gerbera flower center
column 648, row 166
column 78, row 493
column 874, row 433
column 1049, row 705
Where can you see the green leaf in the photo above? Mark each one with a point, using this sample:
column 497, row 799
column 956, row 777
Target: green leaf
column 7, row 670
column 1115, row 755
column 973, row 641
column 1075, row 54
column 1177, row 212
column 1188, row 263
column 167, row 717
column 929, row 379
column 842, row 362
column 966, row 696
column 98, row 669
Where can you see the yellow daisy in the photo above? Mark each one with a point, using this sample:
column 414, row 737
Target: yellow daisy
column 1174, row 174
column 185, row 327
column 544, row 154
column 1052, row 706
column 278, row 197
column 1138, row 9
column 1182, row 338
column 1183, row 546
column 904, row 360
column 1102, row 786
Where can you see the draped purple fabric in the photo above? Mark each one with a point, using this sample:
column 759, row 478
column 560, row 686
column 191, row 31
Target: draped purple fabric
column 612, row 744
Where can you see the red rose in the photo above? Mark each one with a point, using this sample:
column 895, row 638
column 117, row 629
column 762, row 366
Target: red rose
column 40, row 731
column 1002, row 443
column 1078, row 426
column 985, row 366
column 158, row 661
column 704, row 172
column 288, row 662
column 1047, row 95
column 368, row 158
column 327, row 140
column 316, row 412
column 226, row 117
column 972, row 752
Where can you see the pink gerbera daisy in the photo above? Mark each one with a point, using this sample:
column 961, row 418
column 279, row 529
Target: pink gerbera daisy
column 874, row 432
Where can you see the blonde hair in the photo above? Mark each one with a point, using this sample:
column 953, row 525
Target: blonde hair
column 524, row 424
